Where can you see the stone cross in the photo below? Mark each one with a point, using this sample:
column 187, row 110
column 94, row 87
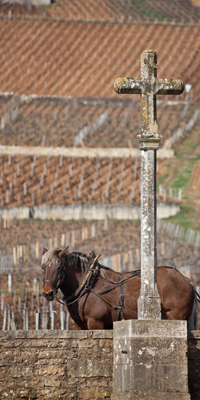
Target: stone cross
column 148, row 87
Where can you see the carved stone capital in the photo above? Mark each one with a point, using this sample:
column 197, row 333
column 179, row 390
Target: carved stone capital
column 149, row 143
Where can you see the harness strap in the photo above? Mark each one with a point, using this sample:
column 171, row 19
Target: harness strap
column 83, row 285
column 48, row 281
column 197, row 296
column 121, row 300
column 121, row 282
column 90, row 282
column 106, row 301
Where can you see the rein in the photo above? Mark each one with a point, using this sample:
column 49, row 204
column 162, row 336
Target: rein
column 83, row 286
column 56, row 287
column 88, row 281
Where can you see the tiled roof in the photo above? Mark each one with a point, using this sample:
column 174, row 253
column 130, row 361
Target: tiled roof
column 28, row 121
column 82, row 59
column 107, row 10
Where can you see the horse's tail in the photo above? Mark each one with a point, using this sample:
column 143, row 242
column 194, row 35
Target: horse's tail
column 193, row 322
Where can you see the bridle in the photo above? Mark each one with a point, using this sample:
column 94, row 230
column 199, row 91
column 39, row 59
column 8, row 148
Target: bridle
column 92, row 271
column 87, row 283
column 60, row 280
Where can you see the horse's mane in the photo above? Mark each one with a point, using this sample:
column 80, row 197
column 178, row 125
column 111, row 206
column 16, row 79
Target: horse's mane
column 50, row 256
column 78, row 260
column 82, row 261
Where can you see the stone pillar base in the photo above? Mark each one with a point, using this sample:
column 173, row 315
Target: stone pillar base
column 150, row 360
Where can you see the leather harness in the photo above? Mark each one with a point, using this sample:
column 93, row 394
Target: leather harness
column 88, row 282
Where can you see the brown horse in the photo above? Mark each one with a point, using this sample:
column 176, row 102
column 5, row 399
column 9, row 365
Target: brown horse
column 96, row 295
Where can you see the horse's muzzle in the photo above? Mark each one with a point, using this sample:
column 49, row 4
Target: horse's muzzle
column 49, row 296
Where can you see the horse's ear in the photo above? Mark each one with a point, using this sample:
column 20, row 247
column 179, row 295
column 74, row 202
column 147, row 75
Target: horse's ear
column 62, row 252
column 92, row 254
column 44, row 251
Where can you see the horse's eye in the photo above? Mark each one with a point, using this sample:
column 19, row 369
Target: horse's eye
column 43, row 266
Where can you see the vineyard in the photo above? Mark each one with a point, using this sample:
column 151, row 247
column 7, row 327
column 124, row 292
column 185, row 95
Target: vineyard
column 80, row 59
column 129, row 11
column 67, row 139
column 22, row 305
column 105, row 123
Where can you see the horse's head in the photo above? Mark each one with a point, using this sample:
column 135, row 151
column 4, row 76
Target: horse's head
column 54, row 274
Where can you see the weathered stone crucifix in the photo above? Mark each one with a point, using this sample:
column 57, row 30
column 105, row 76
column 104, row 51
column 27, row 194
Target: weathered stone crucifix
column 148, row 87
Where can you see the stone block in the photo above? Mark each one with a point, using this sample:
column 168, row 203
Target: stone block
column 150, row 328
column 53, row 363
column 153, row 351
column 150, row 357
column 153, row 396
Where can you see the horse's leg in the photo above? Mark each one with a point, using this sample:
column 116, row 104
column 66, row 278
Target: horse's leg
column 175, row 314
column 172, row 315
column 95, row 324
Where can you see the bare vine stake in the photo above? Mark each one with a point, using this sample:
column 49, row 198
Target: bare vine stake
column 2, row 302
column 5, row 317
column 37, row 321
column 25, row 319
column 68, row 321
column 62, row 318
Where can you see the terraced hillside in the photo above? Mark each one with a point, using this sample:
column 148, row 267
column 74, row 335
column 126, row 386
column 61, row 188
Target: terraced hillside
column 118, row 242
column 69, row 53
column 108, row 10
column 108, row 238
column 29, row 181
column 51, row 121
column 82, row 59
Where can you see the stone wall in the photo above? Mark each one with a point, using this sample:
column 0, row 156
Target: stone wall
column 79, row 152
column 88, row 212
column 194, row 364
column 68, row 365
column 56, row 365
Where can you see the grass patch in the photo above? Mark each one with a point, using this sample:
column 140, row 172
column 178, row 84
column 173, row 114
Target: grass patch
column 162, row 179
column 183, row 178
column 180, row 153
column 185, row 217
column 190, row 144
column 18, row 291
column 144, row 11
